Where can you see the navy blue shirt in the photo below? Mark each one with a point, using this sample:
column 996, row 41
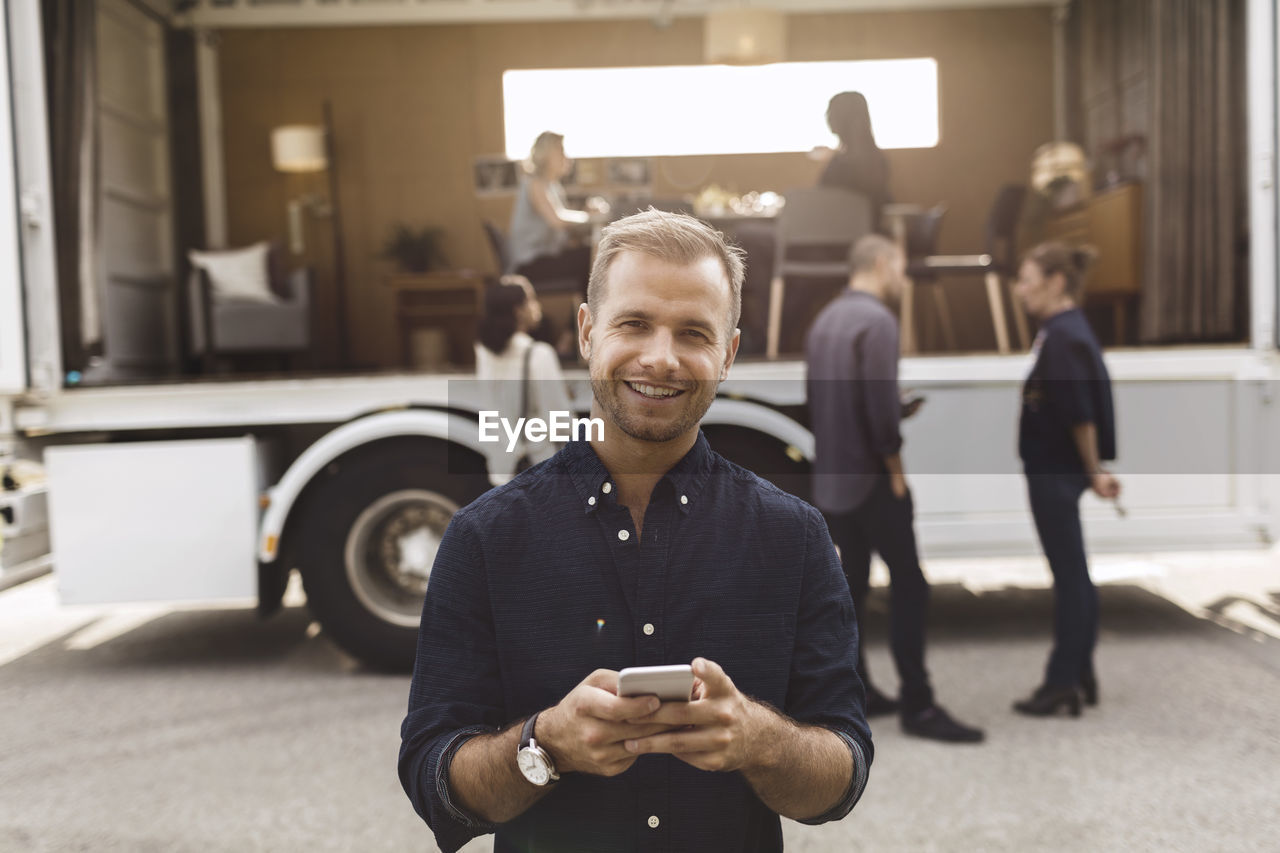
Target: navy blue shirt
column 543, row 580
column 1068, row 386
column 852, row 387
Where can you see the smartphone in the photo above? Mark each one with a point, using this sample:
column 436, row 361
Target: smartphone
column 668, row 683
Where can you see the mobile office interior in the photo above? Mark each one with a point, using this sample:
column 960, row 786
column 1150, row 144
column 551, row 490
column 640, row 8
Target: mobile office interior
column 255, row 62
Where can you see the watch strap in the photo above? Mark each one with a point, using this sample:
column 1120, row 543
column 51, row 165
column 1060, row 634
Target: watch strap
column 526, row 732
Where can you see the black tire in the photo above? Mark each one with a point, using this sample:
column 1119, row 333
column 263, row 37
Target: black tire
column 366, row 536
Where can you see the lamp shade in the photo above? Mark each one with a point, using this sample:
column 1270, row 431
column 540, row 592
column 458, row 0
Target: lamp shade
column 744, row 36
column 299, row 148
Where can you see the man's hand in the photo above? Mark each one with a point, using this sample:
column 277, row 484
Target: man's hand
column 719, row 729
column 910, row 404
column 1104, row 484
column 898, row 485
column 586, row 731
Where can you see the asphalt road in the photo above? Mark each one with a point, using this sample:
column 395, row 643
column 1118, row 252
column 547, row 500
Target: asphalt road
column 155, row 729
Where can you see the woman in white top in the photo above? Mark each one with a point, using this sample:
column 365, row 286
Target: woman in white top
column 511, row 310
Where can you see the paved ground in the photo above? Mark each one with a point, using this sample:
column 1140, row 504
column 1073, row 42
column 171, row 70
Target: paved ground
column 154, row 729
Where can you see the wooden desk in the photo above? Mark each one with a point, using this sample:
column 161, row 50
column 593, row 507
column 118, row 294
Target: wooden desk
column 1111, row 222
column 453, row 301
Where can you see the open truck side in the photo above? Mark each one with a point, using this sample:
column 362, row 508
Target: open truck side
column 215, row 490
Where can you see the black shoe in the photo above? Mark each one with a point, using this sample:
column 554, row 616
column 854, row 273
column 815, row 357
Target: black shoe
column 878, row 704
column 1048, row 700
column 1089, row 687
column 936, row 724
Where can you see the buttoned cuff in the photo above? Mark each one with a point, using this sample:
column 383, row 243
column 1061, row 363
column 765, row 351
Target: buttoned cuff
column 856, row 784
column 471, row 822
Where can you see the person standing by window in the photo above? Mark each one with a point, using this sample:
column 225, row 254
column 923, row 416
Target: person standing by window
column 858, row 165
column 1066, row 429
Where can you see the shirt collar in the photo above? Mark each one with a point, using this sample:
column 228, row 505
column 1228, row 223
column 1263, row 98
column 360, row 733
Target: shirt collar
column 861, row 294
column 1061, row 317
column 594, row 485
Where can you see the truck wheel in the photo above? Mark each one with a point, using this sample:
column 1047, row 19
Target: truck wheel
column 367, row 540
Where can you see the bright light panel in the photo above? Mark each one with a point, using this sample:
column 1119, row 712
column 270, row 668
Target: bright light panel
column 716, row 109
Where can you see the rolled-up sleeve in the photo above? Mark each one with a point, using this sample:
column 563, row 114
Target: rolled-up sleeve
column 877, row 364
column 825, row 689
column 456, row 692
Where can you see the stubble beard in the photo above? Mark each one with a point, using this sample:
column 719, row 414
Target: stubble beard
column 608, row 393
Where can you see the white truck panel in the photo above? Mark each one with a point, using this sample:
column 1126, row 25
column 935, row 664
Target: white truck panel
column 1262, row 32
column 13, row 368
column 155, row 521
column 43, row 355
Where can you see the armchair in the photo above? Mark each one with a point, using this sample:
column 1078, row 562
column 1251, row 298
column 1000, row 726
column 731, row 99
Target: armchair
column 237, row 325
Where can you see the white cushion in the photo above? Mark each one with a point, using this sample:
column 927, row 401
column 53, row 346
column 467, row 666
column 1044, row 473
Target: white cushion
column 238, row 273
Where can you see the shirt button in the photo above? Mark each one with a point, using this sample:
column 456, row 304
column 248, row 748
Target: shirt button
column 624, row 535
column 591, row 501
column 648, row 629
column 684, row 499
column 607, row 488
column 653, row 821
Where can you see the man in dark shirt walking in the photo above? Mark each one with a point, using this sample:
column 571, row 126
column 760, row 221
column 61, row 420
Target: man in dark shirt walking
column 644, row 548
column 858, row 480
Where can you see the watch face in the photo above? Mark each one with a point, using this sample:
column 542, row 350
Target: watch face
column 533, row 767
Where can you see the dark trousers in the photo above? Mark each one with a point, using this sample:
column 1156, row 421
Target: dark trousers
column 1055, row 505
column 885, row 524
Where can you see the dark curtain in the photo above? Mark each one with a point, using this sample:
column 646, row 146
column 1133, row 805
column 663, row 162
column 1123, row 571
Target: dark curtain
column 187, row 177
column 1196, row 205
column 71, row 79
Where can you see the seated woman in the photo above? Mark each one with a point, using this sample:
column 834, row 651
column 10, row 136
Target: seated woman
column 539, row 241
column 523, row 375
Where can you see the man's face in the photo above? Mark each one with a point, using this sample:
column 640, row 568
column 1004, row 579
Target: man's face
column 659, row 344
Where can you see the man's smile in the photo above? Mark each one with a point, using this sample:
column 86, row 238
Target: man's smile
column 653, row 392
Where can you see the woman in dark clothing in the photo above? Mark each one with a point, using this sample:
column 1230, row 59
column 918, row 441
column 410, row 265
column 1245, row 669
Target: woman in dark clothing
column 1066, row 429
column 858, row 164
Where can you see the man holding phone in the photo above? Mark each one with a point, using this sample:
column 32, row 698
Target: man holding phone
column 858, row 481
column 643, row 549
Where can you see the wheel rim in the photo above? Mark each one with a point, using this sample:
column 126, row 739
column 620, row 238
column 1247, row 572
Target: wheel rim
column 390, row 549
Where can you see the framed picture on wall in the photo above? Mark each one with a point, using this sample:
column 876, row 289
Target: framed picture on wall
column 496, row 175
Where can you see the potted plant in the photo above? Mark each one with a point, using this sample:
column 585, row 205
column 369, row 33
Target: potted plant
column 415, row 250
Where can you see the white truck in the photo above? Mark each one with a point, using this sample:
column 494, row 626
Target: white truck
column 202, row 490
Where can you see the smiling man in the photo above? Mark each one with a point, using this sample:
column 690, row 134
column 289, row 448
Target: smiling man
column 644, row 548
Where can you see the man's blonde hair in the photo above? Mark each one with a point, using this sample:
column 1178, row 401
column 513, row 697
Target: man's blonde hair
column 676, row 238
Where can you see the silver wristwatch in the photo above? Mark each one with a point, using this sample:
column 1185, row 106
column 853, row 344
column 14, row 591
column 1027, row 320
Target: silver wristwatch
column 533, row 761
